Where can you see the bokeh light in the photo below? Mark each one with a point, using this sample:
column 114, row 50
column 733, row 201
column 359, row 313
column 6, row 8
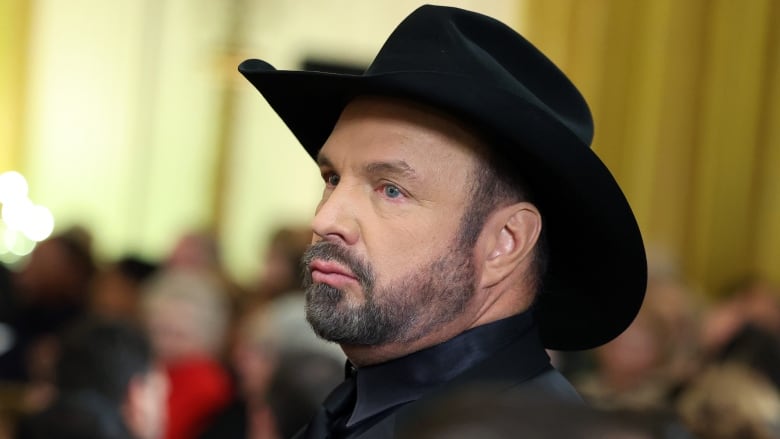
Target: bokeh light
column 22, row 222
column 13, row 187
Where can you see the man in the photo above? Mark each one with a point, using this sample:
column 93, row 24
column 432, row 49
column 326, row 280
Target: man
column 465, row 224
column 107, row 386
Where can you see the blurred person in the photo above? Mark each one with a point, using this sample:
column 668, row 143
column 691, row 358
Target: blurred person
column 756, row 348
column 11, row 408
column 185, row 312
column 46, row 294
column 270, row 339
column 271, row 325
column 59, row 268
column 750, row 301
column 736, row 391
column 442, row 165
column 253, row 359
column 270, row 332
column 116, row 290
column 7, row 301
column 279, row 276
column 679, row 309
column 730, row 400
column 107, row 386
column 199, row 250
column 628, row 370
column 301, row 381
column 645, row 365
column 280, row 269
column 7, row 317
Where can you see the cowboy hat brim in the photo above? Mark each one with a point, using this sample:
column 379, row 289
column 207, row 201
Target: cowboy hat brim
column 596, row 274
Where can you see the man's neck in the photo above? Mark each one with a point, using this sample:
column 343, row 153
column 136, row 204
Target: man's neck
column 365, row 355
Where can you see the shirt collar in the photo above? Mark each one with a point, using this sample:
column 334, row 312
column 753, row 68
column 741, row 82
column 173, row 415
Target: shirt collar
column 402, row 380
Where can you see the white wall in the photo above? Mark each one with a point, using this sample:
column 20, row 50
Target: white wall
column 122, row 96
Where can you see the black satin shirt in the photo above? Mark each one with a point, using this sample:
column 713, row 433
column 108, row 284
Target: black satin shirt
column 383, row 388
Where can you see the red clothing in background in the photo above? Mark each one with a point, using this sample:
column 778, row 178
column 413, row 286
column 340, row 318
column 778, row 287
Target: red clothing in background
column 199, row 388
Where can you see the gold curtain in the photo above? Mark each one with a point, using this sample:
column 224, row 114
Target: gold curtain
column 686, row 103
column 13, row 32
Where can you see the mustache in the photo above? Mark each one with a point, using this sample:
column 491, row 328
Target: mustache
column 328, row 251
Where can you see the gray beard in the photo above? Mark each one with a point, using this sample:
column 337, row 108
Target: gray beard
column 401, row 312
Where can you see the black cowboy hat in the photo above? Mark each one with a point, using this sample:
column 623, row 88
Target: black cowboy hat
column 480, row 70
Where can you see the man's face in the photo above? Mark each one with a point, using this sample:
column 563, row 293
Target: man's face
column 387, row 264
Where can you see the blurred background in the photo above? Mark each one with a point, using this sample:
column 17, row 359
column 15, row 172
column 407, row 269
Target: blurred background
column 129, row 118
column 126, row 129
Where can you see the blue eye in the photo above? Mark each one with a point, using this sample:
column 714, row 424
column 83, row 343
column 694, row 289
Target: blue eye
column 392, row 191
column 332, row 179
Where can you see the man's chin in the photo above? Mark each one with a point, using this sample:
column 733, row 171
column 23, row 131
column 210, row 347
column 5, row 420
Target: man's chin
column 330, row 331
column 322, row 294
column 345, row 325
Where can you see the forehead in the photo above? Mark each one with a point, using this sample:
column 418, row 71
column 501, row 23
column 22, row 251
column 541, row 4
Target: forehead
column 380, row 128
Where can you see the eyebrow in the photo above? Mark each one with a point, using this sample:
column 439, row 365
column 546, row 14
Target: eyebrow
column 323, row 160
column 394, row 167
column 397, row 168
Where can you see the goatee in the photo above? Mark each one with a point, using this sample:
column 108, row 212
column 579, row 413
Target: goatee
column 402, row 312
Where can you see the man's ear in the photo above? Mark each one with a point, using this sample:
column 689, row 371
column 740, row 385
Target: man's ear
column 514, row 231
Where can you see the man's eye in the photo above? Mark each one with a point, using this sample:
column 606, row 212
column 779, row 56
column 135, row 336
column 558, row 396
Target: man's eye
column 332, row 179
column 392, row 191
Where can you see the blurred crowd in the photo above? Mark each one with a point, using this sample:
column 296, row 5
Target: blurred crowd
column 176, row 349
column 171, row 348
column 709, row 363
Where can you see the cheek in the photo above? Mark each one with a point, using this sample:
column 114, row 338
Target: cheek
column 406, row 249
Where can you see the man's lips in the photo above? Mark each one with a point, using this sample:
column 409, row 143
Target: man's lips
column 331, row 273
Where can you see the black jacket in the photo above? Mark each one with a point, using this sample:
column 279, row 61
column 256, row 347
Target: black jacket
column 520, row 366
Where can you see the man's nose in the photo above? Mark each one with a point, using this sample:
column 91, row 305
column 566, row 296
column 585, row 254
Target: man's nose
column 336, row 217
